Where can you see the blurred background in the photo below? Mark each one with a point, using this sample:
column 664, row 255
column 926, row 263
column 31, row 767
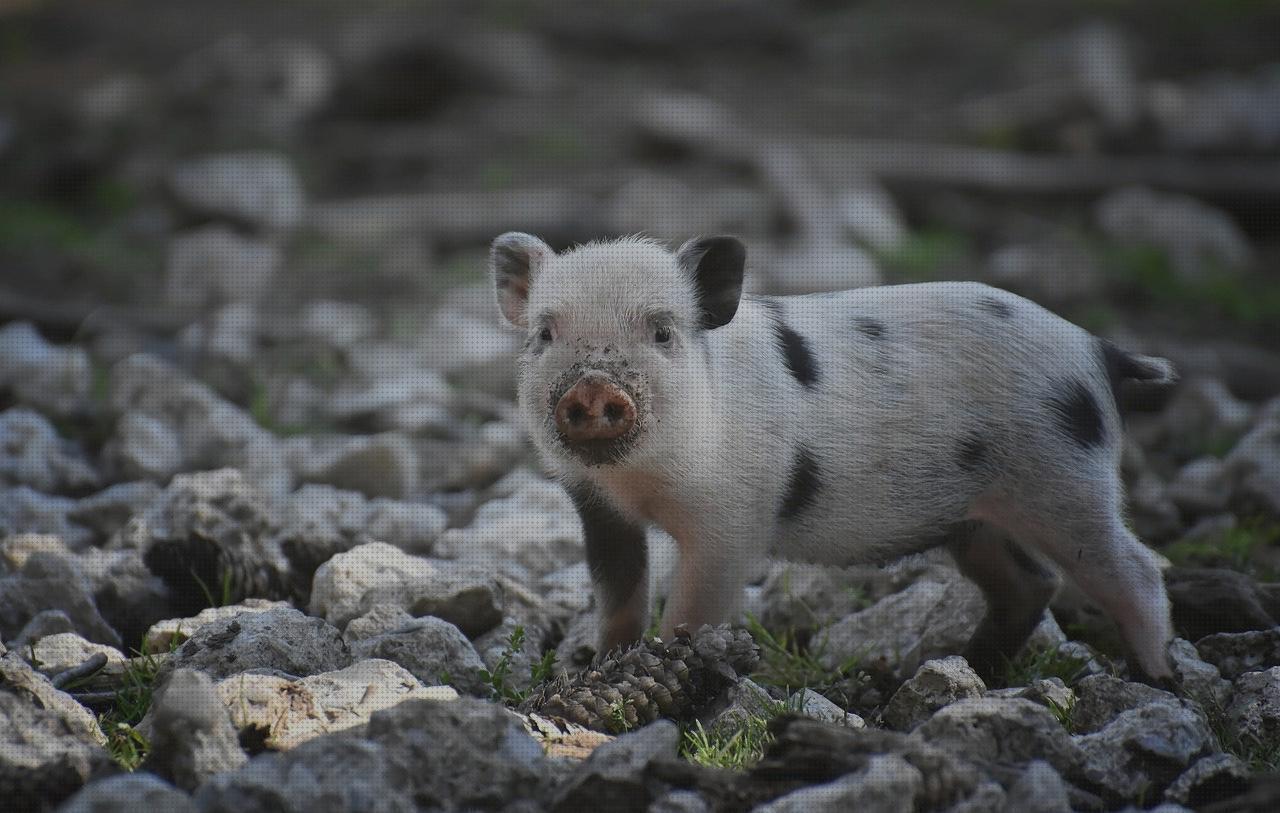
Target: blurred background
column 291, row 202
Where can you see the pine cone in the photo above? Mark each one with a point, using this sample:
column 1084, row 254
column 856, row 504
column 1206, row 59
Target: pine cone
column 628, row 688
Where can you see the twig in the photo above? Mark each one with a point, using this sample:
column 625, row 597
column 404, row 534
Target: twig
column 91, row 666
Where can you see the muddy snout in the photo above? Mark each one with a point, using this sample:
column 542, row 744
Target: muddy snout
column 595, row 411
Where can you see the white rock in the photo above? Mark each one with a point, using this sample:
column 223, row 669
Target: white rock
column 215, row 264
column 52, row 379
column 259, row 188
column 537, row 527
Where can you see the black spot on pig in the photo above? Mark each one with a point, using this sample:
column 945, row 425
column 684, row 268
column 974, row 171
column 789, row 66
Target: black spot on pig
column 1076, row 411
column 972, row 453
column 800, row 360
column 870, row 327
column 994, row 306
column 803, row 485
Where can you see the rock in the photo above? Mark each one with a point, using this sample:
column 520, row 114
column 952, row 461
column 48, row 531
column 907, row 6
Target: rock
column 349, row 584
column 192, row 738
column 494, row 645
column 1202, row 410
column 800, row 596
column 679, row 801
column 1143, row 750
column 1210, row 779
column 537, row 527
column 18, row 679
column 1200, row 681
column 339, row 325
column 42, row 625
column 1195, row 236
column 562, row 740
column 478, row 351
column 887, row 784
column 813, row 266
column 128, row 793
column 1254, row 713
column 614, row 775
column 412, row 401
column 214, row 265
column 49, row 581
column 1218, row 111
column 1237, row 653
column 320, row 521
column 169, row 633
column 16, row 549
column 280, row 640
column 811, row 704
column 569, row 587
column 1201, row 487
column 992, row 730
column 1213, row 600
column 213, row 539
column 128, row 595
column 935, row 684
column 1100, row 699
column 739, row 702
column 1038, row 789
column 1049, row 271
column 381, row 618
column 384, row 465
column 281, row 714
column 32, row 454
column 1153, row 514
column 51, row 379
column 868, row 214
column 259, row 189
column 1253, row 466
column 106, row 512
column 1051, row 693
column 65, row 650
column 433, row 651
column 25, row 511
column 146, row 447
column 935, row 616
column 43, row 759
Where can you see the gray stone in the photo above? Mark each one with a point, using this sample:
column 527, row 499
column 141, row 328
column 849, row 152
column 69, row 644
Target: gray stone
column 997, row 730
column 49, row 581
column 803, row 596
column 1208, row 780
column 1051, row 693
column 1201, row 487
column 65, row 650
column 257, row 188
column 1143, row 750
column 130, row 597
column 1038, row 789
column 1200, row 681
column 495, row 644
column 129, row 793
column 43, row 624
column 1100, row 699
column 380, row 619
column 384, row 465
column 24, row 510
column 434, row 651
column 43, row 759
column 192, row 738
column 330, row 520
column 106, row 512
column 1235, row 653
column 536, row 527
column 146, row 447
column 1049, row 271
column 936, row 683
column 988, row 795
column 613, row 777
column 811, row 704
column 1194, row 234
column 280, row 640
column 351, row 583
column 32, row 454
column 1254, row 713
column 679, row 801
column 1253, row 466
column 214, row 264
column 825, row 264
column 53, row 379
column 888, row 784
column 169, row 633
column 18, row 678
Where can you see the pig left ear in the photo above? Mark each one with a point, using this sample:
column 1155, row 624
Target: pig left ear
column 514, row 260
column 715, row 265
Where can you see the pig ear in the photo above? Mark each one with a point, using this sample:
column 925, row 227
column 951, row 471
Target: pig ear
column 715, row 265
column 514, row 260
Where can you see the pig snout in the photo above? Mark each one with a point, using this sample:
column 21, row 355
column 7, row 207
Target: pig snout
column 595, row 410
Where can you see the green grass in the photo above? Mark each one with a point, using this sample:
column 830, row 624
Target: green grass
column 737, row 744
column 787, row 664
column 224, row 597
column 126, row 745
column 926, row 255
column 1234, row 548
column 1042, row 663
column 1259, row 754
column 499, row 680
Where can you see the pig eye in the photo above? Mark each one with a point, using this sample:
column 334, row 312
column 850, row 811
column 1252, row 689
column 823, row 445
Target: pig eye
column 662, row 334
column 545, row 334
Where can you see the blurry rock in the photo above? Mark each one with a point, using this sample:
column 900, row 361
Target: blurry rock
column 336, row 521
column 32, row 454
column 212, row 538
column 214, row 432
column 1038, row 789
column 1237, row 653
column 1210, row 779
column 993, row 730
column 663, row 204
column 57, row 653
column 42, row 625
column 1209, row 600
column 228, row 340
column 1253, row 466
column 935, row 684
column 130, row 597
column 538, row 527
column 869, row 215
column 1145, row 749
column 192, row 738
column 16, row 549
column 380, row 619
column 18, row 680
column 614, row 775
column 112, row 99
column 679, row 801
column 1100, row 699
column 812, row 267
column 384, row 465
column 351, row 583
column 1197, row 237
column 1201, row 487
column 1049, row 272
column 494, row 646
column 799, row 596
column 280, row 640
column 1104, row 68
column 935, row 616
column 214, row 264
column 1199, row 680
column 52, row 379
column 106, row 512
column 43, row 760
column 479, row 353
column 259, row 189
column 412, row 400
column 338, row 324
column 45, row 582
column 569, row 587
column 129, row 793
column 1219, row 111
column 888, row 784
column 1051, row 693
column 281, row 714
column 433, row 651
column 1152, row 512
column 169, row 633
column 1254, row 713
column 146, row 448
column 811, row 704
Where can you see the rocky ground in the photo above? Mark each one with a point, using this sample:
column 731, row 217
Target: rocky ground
column 271, row 537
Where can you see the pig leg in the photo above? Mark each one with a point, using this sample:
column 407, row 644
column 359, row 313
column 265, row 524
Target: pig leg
column 711, row 570
column 617, row 556
column 1087, row 538
column 1016, row 587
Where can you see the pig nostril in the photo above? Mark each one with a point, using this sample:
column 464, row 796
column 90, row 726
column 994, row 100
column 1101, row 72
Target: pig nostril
column 576, row 413
column 613, row 412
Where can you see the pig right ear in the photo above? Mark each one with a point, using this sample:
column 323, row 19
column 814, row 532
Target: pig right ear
column 514, row 260
column 715, row 265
